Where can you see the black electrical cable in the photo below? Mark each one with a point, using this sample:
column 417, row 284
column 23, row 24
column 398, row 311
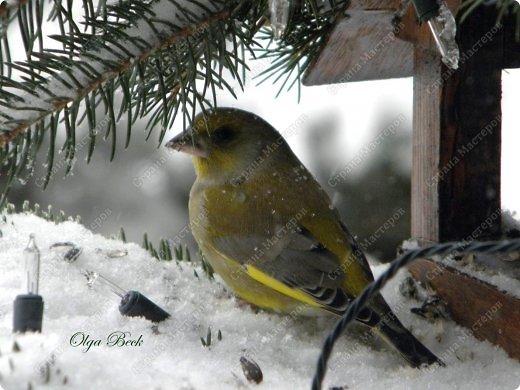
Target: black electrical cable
column 357, row 305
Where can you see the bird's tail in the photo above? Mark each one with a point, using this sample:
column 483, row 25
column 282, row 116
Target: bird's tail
column 390, row 329
column 415, row 353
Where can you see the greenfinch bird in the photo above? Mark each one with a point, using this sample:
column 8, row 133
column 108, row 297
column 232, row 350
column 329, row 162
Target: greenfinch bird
column 270, row 231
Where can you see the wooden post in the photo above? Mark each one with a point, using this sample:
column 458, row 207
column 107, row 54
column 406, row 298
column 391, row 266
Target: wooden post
column 456, row 168
column 469, row 193
column 456, row 155
column 426, row 138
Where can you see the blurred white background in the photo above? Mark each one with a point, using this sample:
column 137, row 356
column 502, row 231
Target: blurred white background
column 145, row 189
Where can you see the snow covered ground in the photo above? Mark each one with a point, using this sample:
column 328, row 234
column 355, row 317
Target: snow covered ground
column 171, row 355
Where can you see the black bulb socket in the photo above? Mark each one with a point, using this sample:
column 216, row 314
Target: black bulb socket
column 28, row 313
column 135, row 304
column 426, row 9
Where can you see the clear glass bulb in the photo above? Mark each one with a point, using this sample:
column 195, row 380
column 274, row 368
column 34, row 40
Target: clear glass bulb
column 99, row 282
column 279, row 10
column 444, row 30
column 31, row 267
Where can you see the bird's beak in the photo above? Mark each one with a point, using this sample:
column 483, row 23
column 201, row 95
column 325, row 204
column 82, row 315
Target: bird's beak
column 185, row 142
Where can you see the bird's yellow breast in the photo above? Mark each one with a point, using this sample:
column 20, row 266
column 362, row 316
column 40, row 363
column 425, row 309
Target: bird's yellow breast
column 258, row 206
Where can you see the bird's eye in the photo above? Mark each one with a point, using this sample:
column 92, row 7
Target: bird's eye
column 223, row 135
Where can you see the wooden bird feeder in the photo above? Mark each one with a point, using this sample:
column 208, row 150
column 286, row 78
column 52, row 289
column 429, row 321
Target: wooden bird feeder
column 456, row 138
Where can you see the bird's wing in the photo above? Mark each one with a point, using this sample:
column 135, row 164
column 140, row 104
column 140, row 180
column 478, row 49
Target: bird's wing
column 291, row 261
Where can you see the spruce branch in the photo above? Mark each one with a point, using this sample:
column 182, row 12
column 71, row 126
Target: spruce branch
column 8, row 8
column 98, row 59
column 152, row 53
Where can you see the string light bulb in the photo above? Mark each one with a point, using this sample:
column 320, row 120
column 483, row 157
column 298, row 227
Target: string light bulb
column 28, row 307
column 443, row 27
column 132, row 303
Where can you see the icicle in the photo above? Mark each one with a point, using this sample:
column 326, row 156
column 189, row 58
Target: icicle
column 279, row 16
column 444, row 29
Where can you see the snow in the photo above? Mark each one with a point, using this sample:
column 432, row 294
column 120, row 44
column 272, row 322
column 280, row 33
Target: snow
column 172, row 356
column 503, row 282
